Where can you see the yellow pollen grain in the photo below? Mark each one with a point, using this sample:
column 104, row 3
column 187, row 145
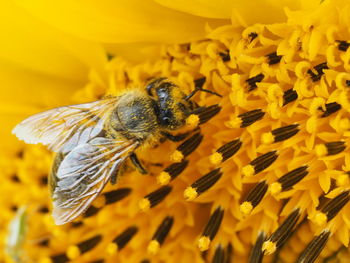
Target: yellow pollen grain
column 153, row 247
column 267, row 138
column 45, row 260
column 246, row 207
column 342, row 180
column 216, row 158
column 111, row 248
column 248, row 170
column 269, row 247
column 100, row 201
column 192, row 121
column 177, row 156
column 203, row 243
column 321, row 150
column 73, row 252
column 144, row 204
column 275, row 188
column 320, row 219
column 164, row 178
column 190, row 193
column 235, row 123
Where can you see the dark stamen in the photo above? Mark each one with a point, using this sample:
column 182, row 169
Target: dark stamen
column 249, row 117
column 175, row 169
column 330, row 108
column 92, row 210
column 273, row 58
column 347, row 83
column 343, row 45
column 116, row 195
column 291, row 178
column 219, row 255
column 44, row 243
column 285, row 132
column 89, row 244
column 263, row 161
column 228, row 254
column 98, row 261
column 206, row 113
column 229, row 149
column 256, row 254
column 319, row 70
column 60, row 258
column 252, row 36
column 163, row 230
column 253, row 80
column 145, row 261
column 289, row 96
column 157, row 196
column 332, row 208
column 122, row 239
column 207, row 181
column 198, row 84
column 256, row 194
column 335, row 147
column 188, row 146
column 214, row 223
column 225, row 56
column 76, row 224
column 314, row 248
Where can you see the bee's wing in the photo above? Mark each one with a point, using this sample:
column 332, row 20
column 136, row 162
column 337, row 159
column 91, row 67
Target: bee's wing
column 83, row 173
column 63, row 128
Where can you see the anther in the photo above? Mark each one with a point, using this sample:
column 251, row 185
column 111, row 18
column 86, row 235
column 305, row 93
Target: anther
column 98, row 261
column 116, row 195
column 256, row 254
column 171, row 172
column 314, row 248
column 145, row 261
column 89, row 244
column 154, row 198
column 280, row 134
column 206, row 113
column 219, row 255
column 225, row 56
column 254, row 197
column 92, row 210
column 330, row 108
column 187, row 147
column 225, row 152
column 289, row 179
column 329, row 148
column 122, row 239
column 289, row 96
column 260, row 163
column 252, row 36
column 228, row 253
column 332, row 208
column 60, row 258
column 319, row 71
column 249, row 117
column 202, row 184
column 343, row 45
column 253, row 80
column 211, row 229
column 160, row 235
column 278, row 238
column 273, row 58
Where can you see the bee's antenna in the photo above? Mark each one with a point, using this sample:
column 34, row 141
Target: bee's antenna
column 189, row 96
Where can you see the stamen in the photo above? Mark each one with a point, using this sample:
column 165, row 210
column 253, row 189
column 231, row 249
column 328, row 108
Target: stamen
column 330, row 108
column 116, row 195
column 145, row 261
column 343, row 45
column 225, row 152
column 154, row 198
column 160, row 235
column 98, row 261
column 249, row 117
column 254, row 197
column 206, row 113
column 260, row 163
column 332, row 208
column 279, row 237
column 319, row 70
column 256, row 255
column 122, row 239
column 329, row 148
column 60, row 258
column 229, row 251
column 225, row 56
column 289, row 96
column 314, row 248
column 89, row 244
column 289, row 179
column 92, row 210
column 252, row 36
column 253, row 80
column 202, row 184
column 211, row 229
column 171, row 172
column 280, row 134
column 76, row 224
column 273, row 58
column 219, row 255
column 187, row 147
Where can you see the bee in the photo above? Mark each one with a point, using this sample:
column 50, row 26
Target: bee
column 93, row 140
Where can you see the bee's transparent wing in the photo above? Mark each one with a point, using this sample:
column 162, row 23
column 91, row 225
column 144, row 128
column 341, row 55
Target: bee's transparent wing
column 63, row 128
column 83, row 173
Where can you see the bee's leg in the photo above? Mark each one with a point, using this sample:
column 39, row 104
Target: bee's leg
column 175, row 138
column 137, row 163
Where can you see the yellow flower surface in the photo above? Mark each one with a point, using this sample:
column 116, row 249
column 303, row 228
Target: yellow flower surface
column 269, row 180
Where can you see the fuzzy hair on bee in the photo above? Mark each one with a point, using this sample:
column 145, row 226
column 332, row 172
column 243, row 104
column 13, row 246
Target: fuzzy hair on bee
column 93, row 140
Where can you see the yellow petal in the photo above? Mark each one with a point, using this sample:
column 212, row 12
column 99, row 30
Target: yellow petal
column 119, row 21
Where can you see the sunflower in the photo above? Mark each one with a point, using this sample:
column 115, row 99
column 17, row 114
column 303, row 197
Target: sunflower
column 265, row 179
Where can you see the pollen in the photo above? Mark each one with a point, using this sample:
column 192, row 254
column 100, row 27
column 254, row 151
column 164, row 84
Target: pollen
column 190, row 194
column 269, row 247
column 246, row 208
column 275, row 188
column 111, row 248
column 320, row 219
column 248, row 170
column 216, row 158
column 321, row 150
column 203, row 243
column 153, row 247
column 192, row 121
column 73, row 252
column 177, row 156
column 144, row 204
column 163, row 178
column 267, row 138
